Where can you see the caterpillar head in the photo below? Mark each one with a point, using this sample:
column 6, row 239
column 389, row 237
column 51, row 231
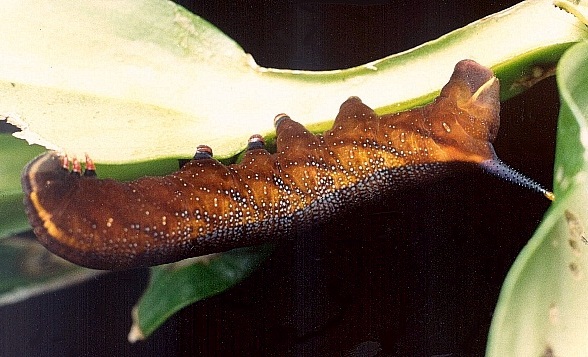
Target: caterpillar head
column 465, row 117
column 466, row 120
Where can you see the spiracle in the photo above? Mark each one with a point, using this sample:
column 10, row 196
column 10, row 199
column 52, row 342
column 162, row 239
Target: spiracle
column 208, row 207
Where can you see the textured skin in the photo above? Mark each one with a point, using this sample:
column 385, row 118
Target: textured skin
column 207, row 207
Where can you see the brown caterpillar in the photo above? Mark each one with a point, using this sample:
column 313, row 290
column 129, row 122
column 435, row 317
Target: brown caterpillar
column 208, row 207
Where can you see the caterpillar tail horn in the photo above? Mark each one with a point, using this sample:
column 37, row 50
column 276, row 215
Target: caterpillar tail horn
column 499, row 169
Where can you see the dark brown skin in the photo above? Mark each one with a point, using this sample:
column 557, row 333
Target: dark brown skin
column 207, row 207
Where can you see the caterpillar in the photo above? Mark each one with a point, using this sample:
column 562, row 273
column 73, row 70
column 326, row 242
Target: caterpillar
column 208, row 207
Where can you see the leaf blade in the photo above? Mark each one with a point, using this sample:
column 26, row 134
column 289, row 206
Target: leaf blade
column 27, row 269
column 120, row 87
column 175, row 286
column 541, row 308
column 14, row 154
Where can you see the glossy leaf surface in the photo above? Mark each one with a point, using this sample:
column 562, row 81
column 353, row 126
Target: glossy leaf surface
column 542, row 305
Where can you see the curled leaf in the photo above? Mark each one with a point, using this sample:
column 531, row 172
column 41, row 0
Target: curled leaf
column 542, row 306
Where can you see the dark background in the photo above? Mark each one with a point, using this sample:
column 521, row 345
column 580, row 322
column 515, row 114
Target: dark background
column 418, row 276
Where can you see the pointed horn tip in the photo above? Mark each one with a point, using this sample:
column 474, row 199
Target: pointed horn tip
column 549, row 195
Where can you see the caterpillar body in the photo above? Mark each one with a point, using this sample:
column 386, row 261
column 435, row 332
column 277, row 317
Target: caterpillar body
column 208, row 207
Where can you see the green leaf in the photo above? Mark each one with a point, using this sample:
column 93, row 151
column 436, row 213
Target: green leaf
column 126, row 67
column 28, row 269
column 175, row 286
column 542, row 309
column 14, row 154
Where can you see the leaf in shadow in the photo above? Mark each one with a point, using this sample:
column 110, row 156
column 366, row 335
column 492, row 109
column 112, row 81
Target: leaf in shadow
column 27, row 269
column 177, row 285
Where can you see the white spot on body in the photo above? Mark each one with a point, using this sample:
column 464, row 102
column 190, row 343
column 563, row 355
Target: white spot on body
column 446, row 127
